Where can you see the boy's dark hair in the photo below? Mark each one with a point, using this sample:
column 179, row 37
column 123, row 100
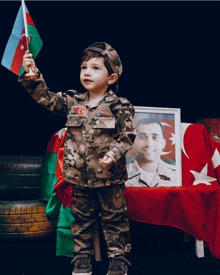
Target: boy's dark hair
column 91, row 54
column 149, row 121
column 87, row 55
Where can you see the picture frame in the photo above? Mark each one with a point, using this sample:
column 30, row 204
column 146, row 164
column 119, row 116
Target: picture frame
column 167, row 121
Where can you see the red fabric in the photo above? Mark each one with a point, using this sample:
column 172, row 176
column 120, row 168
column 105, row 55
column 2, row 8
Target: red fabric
column 194, row 210
column 213, row 127
column 193, row 207
column 62, row 188
column 54, row 143
column 29, row 20
column 18, row 55
column 169, row 128
column 199, row 149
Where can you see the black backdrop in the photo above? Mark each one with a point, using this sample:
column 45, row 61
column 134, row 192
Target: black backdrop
column 169, row 51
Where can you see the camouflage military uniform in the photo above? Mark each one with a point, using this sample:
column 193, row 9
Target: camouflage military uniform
column 106, row 129
column 137, row 177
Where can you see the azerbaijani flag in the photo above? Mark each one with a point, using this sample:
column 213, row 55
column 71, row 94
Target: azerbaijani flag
column 58, row 193
column 16, row 46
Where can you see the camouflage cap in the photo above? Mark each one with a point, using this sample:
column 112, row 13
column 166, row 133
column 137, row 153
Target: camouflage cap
column 109, row 54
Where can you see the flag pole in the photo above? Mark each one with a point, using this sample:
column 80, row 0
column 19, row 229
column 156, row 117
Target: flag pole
column 25, row 22
column 31, row 74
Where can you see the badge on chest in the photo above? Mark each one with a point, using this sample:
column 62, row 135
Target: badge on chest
column 78, row 111
column 100, row 113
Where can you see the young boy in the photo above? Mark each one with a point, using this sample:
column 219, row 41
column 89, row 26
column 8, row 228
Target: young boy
column 100, row 131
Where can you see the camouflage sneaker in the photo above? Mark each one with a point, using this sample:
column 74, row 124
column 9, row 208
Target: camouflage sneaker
column 82, row 265
column 118, row 266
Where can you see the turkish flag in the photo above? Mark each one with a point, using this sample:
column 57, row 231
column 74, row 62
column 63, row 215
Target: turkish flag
column 200, row 157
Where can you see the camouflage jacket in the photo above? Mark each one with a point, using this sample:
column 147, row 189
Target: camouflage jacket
column 92, row 132
column 137, row 177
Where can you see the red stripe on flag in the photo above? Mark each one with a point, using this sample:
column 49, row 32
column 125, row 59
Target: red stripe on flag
column 18, row 56
column 169, row 131
column 29, row 20
column 53, row 144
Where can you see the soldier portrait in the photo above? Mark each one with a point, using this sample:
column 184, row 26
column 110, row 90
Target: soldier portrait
column 155, row 159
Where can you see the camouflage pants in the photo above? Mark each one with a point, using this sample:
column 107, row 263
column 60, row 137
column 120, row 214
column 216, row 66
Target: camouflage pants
column 107, row 204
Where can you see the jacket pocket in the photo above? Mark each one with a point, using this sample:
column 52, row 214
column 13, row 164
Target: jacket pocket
column 75, row 121
column 108, row 123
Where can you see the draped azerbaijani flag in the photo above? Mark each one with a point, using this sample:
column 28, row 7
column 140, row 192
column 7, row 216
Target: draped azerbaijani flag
column 16, row 46
column 58, row 193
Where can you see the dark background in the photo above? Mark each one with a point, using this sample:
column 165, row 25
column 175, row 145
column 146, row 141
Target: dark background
column 169, row 50
column 170, row 55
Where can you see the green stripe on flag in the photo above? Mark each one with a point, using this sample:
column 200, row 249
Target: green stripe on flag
column 35, row 44
column 169, row 161
column 65, row 241
column 59, row 215
column 53, row 209
column 48, row 175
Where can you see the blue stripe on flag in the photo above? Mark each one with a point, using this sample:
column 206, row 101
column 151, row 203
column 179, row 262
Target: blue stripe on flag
column 14, row 39
column 19, row 24
column 10, row 51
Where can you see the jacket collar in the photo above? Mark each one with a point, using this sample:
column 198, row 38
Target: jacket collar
column 109, row 97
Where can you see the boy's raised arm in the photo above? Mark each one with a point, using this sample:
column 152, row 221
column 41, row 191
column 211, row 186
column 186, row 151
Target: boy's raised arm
column 38, row 90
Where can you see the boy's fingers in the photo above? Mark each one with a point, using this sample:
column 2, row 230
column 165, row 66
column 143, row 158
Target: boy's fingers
column 29, row 56
column 27, row 59
column 106, row 162
column 27, row 53
column 109, row 161
column 105, row 158
column 28, row 63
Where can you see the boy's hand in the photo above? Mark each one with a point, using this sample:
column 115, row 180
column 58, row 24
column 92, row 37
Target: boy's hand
column 28, row 61
column 106, row 162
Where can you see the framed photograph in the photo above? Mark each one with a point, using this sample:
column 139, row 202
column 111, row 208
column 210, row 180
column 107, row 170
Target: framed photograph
column 155, row 159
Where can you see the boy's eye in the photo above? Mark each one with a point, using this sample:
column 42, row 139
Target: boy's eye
column 83, row 67
column 96, row 68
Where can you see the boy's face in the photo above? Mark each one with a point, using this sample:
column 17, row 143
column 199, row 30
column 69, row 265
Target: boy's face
column 94, row 76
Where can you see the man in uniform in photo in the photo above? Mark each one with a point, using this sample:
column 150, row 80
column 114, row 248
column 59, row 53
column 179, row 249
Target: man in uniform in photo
column 147, row 168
